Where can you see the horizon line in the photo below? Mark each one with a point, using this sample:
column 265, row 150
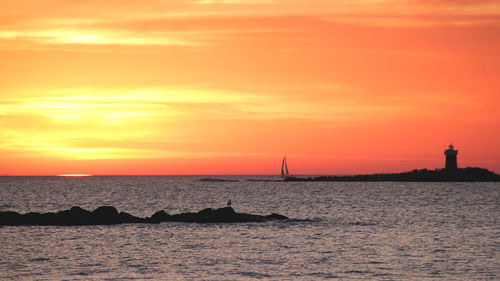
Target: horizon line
column 215, row 175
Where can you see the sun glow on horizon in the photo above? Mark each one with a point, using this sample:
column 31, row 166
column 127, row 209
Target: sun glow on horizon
column 74, row 175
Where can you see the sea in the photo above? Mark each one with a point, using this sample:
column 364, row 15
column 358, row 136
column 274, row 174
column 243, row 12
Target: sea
column 337, row 230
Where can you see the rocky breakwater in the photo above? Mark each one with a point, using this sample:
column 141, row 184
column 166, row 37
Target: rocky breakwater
column 107, row 215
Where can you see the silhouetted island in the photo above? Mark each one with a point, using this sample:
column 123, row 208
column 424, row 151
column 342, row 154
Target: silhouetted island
column 107, row 215
column 217, row 180
column 450, row 173
column 423, row 175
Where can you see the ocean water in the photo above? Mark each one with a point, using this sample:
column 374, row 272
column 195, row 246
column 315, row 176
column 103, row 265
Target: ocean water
column 347, row 231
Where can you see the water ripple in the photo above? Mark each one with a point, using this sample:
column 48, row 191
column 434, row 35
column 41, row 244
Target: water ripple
column 347, row 231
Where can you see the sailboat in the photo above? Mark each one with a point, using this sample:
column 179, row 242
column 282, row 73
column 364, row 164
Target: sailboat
column 284, row 169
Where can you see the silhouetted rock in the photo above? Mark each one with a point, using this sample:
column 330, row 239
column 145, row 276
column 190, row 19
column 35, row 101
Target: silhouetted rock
column 276, row 217
column 74, row 216
column 158, row 217
column 11, row 218
column 226, row 214
column 107, row 215
column 124, row 217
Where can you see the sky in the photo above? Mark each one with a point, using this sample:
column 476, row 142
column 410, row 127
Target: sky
column 165, row 87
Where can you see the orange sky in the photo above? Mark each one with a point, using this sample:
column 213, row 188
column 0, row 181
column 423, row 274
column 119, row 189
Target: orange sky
column 230, row 86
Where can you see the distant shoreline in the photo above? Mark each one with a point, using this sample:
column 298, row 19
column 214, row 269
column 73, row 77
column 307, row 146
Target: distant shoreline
column 469, row 174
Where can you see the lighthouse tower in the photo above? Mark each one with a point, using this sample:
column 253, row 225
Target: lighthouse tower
column 451, row 158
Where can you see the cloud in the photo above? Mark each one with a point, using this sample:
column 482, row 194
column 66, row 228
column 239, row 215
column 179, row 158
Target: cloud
column 195, row 24
column 417, row 20
column 62, row 36
column 454, row 2
column 91, row 123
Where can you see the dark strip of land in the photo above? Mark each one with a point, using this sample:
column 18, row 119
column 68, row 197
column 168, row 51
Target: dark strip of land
column 439, row 175
column 107, row 215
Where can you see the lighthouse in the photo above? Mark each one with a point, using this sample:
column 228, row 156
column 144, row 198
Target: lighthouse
column 451, row 158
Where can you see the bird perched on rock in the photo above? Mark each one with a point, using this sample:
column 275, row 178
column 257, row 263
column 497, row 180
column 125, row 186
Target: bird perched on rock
column 229, row 202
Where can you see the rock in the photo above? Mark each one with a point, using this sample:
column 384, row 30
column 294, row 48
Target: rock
column 106, row 211
column 206, row 212
column 11, row 218
column 276, row 217
column 209, row 215
column 158, row 217
column 107, row 215
column 124, row 217
column 79, row 212
column 33, row 217
column 74, row 216
column 184, row 217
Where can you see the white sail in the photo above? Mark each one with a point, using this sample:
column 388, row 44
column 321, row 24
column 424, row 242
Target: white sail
column 284, row 168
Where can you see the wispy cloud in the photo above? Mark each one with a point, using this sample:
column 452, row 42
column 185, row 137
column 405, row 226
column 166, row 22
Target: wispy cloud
column 423, row 20
column 95, row 37
column 193, row 23
column 123, row 123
